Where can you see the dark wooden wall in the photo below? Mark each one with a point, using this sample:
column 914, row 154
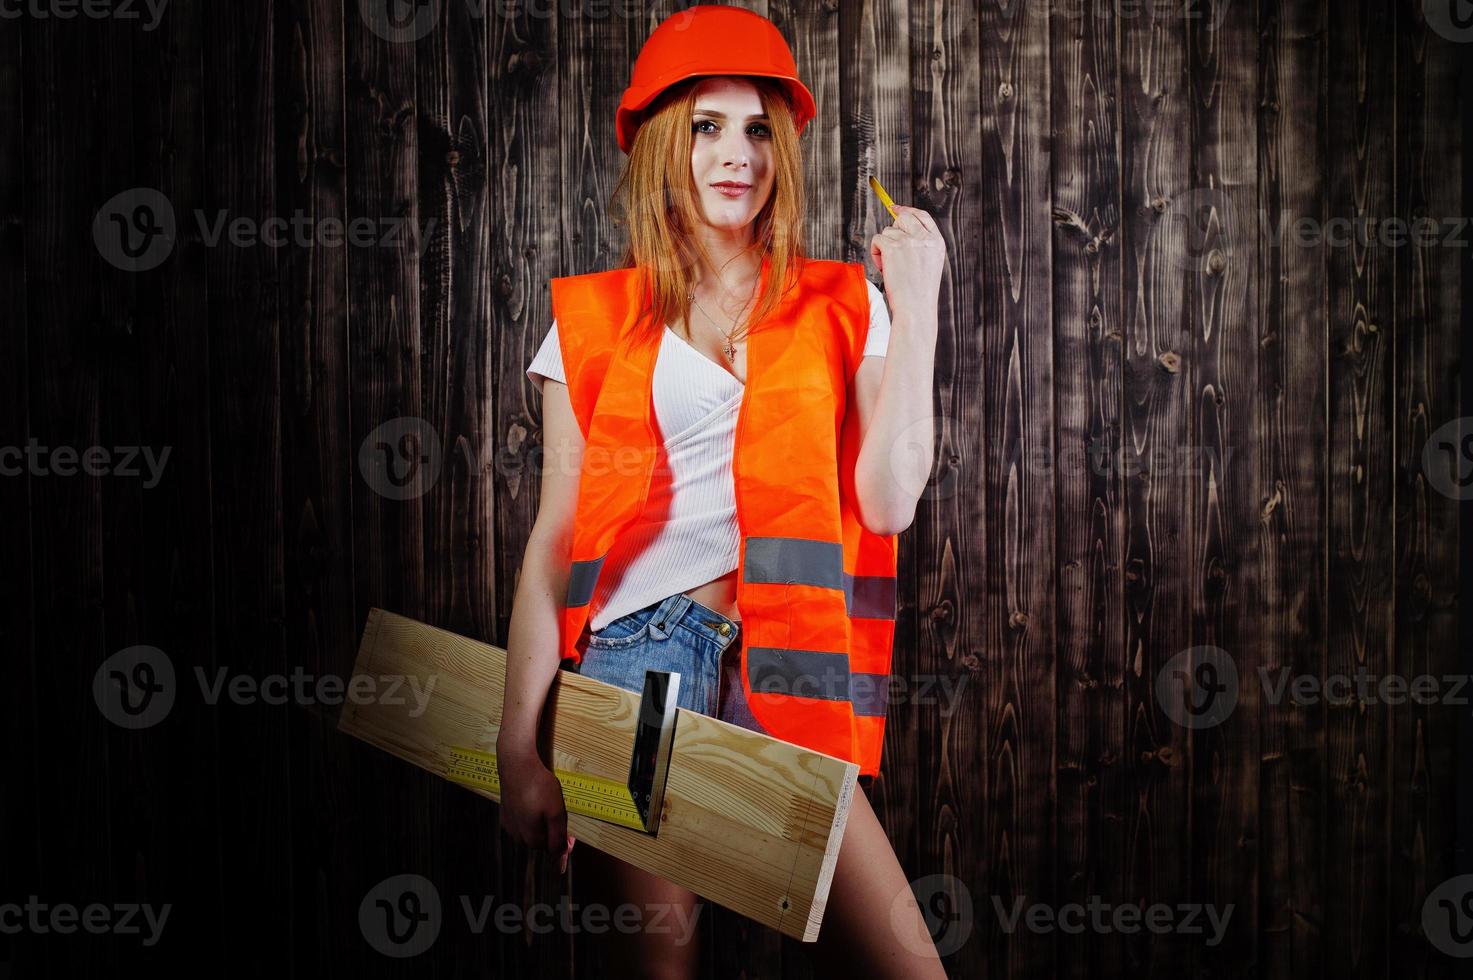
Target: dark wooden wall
column 1108, row 179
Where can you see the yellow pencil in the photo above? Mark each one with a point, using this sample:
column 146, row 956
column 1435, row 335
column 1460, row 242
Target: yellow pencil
column 884, row 198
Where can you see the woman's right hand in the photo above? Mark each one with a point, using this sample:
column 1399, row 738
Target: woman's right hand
column 532, row 808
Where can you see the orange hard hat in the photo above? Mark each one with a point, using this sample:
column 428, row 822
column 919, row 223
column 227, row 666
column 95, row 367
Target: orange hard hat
column 709, row 40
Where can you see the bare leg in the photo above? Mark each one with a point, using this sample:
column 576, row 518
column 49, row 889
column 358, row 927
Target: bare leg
column 665, row 945
column 872, row 926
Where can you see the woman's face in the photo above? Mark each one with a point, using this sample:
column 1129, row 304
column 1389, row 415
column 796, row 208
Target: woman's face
column 731, row 141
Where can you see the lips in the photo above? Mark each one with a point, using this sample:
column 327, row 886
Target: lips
column 731, row 183
column 730, row 188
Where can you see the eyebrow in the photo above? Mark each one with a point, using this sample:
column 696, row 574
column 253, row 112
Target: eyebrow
column 722, row 115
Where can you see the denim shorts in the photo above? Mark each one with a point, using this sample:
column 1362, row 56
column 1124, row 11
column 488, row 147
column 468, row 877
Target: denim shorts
column 676, row 634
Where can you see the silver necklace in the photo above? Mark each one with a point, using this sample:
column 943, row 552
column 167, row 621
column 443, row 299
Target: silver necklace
column 727, row 348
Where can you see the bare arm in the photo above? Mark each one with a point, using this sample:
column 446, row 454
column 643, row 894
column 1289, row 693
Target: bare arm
column 533, row 651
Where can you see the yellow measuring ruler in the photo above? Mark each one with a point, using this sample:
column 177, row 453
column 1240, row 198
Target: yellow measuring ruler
column 592, row 796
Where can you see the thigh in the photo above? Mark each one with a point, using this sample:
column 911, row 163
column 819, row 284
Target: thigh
column 872, row 924
column 647, row 926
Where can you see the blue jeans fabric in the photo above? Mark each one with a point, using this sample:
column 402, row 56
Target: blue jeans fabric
column 675, row 634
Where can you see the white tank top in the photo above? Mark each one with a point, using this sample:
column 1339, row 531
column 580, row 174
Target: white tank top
column 687, row 534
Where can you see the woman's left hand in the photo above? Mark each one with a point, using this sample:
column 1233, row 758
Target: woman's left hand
column 911, row 255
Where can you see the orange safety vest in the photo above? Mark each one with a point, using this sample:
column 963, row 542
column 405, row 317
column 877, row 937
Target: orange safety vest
column 815, row 589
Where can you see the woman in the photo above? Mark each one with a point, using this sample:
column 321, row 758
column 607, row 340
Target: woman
column 660, row 554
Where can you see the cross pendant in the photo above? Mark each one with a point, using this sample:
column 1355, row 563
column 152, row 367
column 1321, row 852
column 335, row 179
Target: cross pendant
column 730, row 351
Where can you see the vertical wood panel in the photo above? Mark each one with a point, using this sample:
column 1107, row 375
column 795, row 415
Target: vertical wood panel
column 21, row 803
column 398, row 457
column 1017, row 593
column 60, row 187
column 522, row 200
column 311, row 179
column 1226, row 424
column 1362, row 323
column 459, row 515
column 1292, row 443
column 1421, row 832
column 1086, row 195
column 179, row 847
column 930, row 792
column 812, row 32
column 1159, row 509
column 246, row 480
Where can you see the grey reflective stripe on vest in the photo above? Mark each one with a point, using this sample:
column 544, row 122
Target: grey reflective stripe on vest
column 870, row 596
column 581, row 579
column 801, row 673
column 794, row 561
column 870, row 693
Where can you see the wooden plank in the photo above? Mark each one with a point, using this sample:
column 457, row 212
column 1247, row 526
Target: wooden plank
column 1293, row 444
column 456, row 397
column 1017, row 592
column 524, row 193
column 1422, row 833
column 172, row 808
column 1226, row 436
column 812, row 32
column 1093, row 798
column 249, row 601
column 1361, row 170
column 749, row 821
column 316, row 487
column 64, row 114
column 946, row 554
column 399, row 456
column 21, row 805
column 1159, row 509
